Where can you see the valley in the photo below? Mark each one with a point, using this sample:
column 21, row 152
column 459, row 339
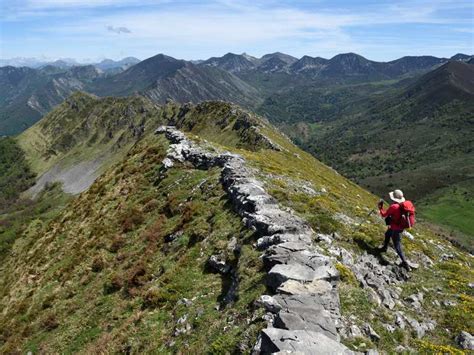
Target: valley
column 416, row 134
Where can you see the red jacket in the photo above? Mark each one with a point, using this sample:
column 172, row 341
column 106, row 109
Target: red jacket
column 396, row 214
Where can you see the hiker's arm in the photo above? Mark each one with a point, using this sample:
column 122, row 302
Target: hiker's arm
column 385, row 213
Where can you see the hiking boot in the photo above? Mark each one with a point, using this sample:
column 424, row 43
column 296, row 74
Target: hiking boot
column 405, row 265
column 382, row 249
column 413, row 266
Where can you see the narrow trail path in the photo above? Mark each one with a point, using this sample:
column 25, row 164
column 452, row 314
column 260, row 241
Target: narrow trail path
column 304, row 312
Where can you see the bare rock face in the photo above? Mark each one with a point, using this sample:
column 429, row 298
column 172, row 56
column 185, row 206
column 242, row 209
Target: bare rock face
column 299, row 341
column 380, row 280
column 317, row 287
column 304, row 313
column 465, row 341
column 317, row 320
column 218, row 264
column 269, row 303
column 298, row 272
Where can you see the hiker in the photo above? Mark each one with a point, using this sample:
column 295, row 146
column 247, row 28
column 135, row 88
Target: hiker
column 398, row 216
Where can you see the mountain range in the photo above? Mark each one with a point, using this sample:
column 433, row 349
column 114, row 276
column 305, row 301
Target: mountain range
column 27, row 94
column 345, row 67
column 340, row 109
column 63, row 63
column 30, row 93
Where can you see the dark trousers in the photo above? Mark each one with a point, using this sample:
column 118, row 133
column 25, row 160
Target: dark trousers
column 397, row 242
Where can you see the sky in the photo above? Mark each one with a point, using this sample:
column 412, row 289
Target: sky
column 90, row 30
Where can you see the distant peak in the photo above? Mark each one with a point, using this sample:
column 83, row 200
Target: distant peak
column 161, row 57
column 348, row 55
column 461, row 56
column 282, row 57
column 230, row 54
column 278, row 54
column 313, row 59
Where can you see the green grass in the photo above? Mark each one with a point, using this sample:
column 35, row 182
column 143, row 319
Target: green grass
column 28, row 217
column 19, row 214
column 85, row 128
column 452, row 207
column 101, row 273
column 111, row 283
column 15, row 173
column 383, row 138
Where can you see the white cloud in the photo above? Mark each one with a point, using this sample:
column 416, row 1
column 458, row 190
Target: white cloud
column 118, row 30
column 185, row 28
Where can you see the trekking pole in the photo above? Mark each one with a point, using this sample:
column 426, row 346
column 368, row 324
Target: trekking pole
column 356, row 228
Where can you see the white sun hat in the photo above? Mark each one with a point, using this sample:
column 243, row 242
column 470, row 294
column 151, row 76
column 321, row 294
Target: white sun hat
column 397, row 196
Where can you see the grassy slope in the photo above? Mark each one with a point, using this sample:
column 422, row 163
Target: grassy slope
column 347, row 128
column 15, row 173
column 453, row 208
column 315, row 102
column 446, row 280
column 84, row 128
column 16, row 213
column 25, row 215
column 287, row 171
column 442, row 157
column 140, row 209
column 116, row 284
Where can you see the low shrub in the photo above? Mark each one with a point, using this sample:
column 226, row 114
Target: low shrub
column 157, row 297
column 97, row 264
column 346, row 274
column 118, row 242
column 151, row 205
column 131, row 219
column 113, row 284
column 155, row 232
column 50, row 322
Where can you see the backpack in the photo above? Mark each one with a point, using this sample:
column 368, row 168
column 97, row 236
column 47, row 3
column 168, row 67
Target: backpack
column 407, row 210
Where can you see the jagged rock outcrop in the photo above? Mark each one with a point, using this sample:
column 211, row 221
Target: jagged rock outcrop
column 465, row 341
column 219, row 264
column 382, row 280
column 304, row 312
column 371, row 274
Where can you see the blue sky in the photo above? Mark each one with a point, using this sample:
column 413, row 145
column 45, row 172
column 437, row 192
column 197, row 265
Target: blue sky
column 95, row 29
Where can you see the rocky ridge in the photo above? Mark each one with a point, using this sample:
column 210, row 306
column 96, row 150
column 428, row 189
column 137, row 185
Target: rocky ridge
column 382, row 280
column 304, row 313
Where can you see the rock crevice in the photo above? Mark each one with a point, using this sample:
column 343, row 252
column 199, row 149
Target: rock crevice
column 304, row 312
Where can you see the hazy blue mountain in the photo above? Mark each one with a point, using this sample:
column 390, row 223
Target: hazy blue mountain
column 162, row 78
column 461, row 56
column 124, row 63
column 27, row 94
column 231, row 62
column 308, row 64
